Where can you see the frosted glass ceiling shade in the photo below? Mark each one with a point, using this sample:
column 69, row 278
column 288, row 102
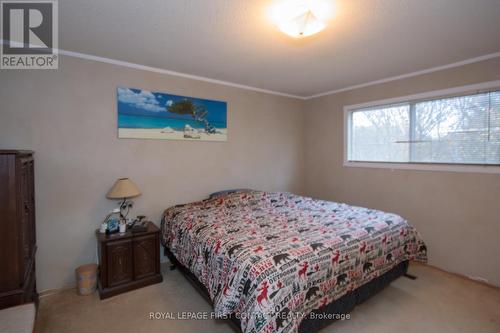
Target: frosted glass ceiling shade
column 123, row 188
column 300, row 18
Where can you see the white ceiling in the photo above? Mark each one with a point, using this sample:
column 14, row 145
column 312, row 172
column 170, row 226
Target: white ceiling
column 233, row 40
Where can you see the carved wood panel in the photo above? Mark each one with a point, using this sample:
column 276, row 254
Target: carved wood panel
column 17, row 238
column 119, row 262
column 144, row 256
column 27, row 213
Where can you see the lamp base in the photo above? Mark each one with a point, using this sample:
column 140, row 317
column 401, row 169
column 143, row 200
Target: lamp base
column 125, row 207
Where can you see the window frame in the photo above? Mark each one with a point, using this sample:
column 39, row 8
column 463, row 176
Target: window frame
column 412, row 99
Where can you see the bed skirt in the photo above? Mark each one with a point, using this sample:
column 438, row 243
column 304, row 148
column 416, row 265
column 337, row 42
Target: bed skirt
column 311, row 323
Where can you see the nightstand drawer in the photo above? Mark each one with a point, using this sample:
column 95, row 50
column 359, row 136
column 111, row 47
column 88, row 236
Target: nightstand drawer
column 145, row 256
column 119, row 262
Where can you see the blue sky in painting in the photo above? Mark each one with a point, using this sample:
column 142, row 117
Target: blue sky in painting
column 139, row 102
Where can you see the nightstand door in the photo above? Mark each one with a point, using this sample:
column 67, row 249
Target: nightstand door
column 145, row 256
column 119, row 257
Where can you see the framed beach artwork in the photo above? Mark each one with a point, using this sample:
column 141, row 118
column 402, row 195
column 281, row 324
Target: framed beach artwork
column 144, row 114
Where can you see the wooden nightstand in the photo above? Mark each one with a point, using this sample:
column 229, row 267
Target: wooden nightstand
column 128, row 261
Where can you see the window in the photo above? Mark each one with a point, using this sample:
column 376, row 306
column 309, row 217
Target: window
column 453, row 130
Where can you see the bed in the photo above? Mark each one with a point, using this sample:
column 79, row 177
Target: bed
column 274, row 262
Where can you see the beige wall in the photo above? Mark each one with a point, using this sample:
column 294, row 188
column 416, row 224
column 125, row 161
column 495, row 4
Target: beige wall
column 458, row 214
column 68, row 117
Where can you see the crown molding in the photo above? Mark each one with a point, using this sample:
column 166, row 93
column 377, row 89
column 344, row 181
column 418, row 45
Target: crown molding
column 408, row 75
column 267, row 91
column 172, row 73
column 167, row 72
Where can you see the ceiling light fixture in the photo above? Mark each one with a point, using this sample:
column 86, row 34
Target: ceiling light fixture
column 301, row 18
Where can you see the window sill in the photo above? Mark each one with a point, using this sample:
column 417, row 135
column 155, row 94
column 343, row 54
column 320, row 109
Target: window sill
column 490, row 169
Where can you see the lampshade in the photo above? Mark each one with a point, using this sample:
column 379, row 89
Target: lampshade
column 123, row 188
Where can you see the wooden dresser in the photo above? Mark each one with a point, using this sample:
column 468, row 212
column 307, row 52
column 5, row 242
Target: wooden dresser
column 17, row 228
column 128, row 261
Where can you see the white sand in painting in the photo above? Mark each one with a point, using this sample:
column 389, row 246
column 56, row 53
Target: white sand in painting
column 156, row 133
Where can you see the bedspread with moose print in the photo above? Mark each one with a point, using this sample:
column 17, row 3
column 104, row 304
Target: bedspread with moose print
column 270, row 258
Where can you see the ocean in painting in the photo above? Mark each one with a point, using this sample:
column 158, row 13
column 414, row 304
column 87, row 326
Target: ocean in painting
column 131, row 121
column 155, row 115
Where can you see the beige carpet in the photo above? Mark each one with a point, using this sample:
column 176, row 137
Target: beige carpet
column 435, row 302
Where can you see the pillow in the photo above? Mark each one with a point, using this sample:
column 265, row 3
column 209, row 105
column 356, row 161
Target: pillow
column 225, row 192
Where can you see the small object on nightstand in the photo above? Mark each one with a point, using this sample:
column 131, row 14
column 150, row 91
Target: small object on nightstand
column 139, row 226
column 123, row 227
column 112, row 221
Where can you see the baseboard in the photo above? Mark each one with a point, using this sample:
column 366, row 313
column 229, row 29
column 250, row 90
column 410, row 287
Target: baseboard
column 461, row 276
column 49, row 292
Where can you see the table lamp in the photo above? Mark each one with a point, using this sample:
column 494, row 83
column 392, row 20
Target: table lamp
column 123, row 189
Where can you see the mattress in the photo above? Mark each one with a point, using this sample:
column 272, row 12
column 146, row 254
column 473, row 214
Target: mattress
column 269, row 259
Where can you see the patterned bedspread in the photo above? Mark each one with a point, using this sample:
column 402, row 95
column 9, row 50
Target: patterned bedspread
column 271, row 258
